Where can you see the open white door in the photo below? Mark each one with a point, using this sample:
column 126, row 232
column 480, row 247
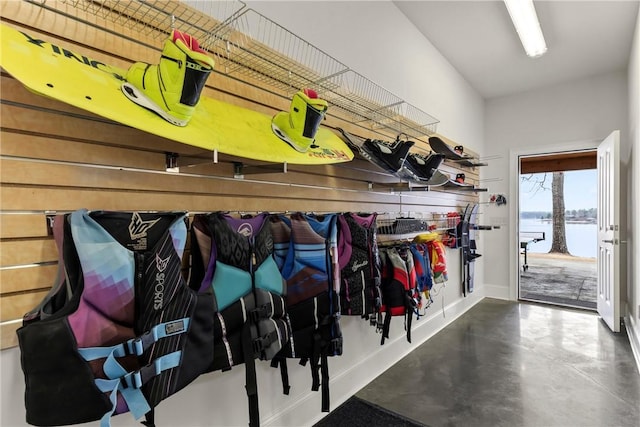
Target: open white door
column 609, row 230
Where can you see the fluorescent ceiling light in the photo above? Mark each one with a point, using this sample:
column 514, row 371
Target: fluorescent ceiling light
column 524, row 18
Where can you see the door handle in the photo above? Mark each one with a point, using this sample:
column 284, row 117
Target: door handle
column 608, row 241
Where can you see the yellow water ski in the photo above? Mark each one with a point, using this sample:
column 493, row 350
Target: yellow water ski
column 53, row 71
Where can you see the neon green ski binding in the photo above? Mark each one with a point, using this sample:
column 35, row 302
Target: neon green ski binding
column 298, row 127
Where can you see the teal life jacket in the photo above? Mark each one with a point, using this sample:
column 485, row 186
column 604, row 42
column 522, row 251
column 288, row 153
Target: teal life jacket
column 120, row 330
column 306, row 253
column 234, row 258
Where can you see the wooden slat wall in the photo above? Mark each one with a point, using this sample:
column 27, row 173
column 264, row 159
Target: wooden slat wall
column 56, row 158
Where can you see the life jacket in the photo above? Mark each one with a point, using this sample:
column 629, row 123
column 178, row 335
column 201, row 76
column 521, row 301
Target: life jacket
column 234, row 258
column 398, row 288
column 306, row 250
column 438, row 261
column 437, row 255
column 424, row 277
column 120, row 330
column 359, row 267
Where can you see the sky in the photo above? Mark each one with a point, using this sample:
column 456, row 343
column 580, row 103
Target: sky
column 580, row 191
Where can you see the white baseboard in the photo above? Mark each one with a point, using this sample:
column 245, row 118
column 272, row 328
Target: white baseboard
column 634, row 338
column 346, row 383
column 495, row 291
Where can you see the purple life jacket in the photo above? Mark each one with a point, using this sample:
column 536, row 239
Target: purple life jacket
column 120, row 330
column 359, row 266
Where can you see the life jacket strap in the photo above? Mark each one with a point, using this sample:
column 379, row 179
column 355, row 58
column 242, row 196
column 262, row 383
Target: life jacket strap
column 137, row 346
column 251, row 384
column 410, row 305
column 385, row 327
column 129, row 384
column 324, row 366
column 315, row 362
column 335, row 345
column 284, row 372
column 149, row 419
column 320, row 367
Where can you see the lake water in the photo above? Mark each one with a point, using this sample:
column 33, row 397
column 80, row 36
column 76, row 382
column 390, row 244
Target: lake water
column 582, row 239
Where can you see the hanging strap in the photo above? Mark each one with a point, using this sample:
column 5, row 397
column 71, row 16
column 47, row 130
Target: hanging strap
column 315, row 362
column 320, row 367
column 324, row 365
column 284, row 372
column 251, row 384
column 410, row 306
column 150, row 419
column 385, row 326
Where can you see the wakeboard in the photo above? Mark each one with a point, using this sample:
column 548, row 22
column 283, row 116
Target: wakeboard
column 458, row 184
column 463, row 236
column 471, row 252
column 456, row 154
column 53, row 71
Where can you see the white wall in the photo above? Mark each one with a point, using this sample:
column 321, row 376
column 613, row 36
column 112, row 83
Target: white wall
column 375, row 39
column 633, row 236
column 578, row 112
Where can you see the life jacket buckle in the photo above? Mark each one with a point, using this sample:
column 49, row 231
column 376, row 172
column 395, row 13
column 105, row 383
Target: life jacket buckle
column 135, row 346
column 373, row 321
column 336, row 346
column 132, row 380
column 262, row 343
column 262, row 312
column 258, row 346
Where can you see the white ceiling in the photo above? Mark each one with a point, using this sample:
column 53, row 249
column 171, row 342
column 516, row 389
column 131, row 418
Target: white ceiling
column 584, row 38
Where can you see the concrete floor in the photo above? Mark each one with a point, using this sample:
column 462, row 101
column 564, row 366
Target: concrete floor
column 516, row 364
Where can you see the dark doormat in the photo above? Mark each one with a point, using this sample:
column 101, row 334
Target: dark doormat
column 356, row 412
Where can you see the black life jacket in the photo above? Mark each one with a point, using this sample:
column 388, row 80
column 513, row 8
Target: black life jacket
column 120, row 330
column 359, row 267
column 398, row 287
column 306, row 247
column 234, row 258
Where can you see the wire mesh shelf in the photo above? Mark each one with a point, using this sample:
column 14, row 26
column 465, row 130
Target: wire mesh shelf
column 154, row 19
column 261, row 49
column 358, row 97
column 365, row 101
column 401, row 226
column 410, row 120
